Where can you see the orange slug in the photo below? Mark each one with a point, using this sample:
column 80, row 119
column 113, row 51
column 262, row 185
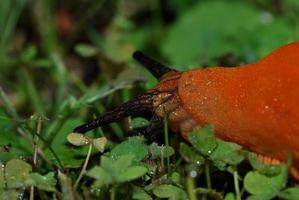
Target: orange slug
column 254, row 105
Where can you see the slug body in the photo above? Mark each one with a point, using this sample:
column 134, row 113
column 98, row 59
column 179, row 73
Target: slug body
column 254, row 105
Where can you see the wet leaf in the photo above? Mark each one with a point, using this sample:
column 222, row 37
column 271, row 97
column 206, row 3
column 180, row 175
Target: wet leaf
column 290, row 193
column 227, row 153
column 190, row 155
column 133, row 146
column 132, row 173
column 230, row 196
column 170, row 191
column 78, row 139
column 157, row 151
column 100, row 143
column 267, row 187
column 140, row 194
column 268, row 170
column 203, row 140
column 139, row 122
column 115, row 171
column 16, row 173
column 44, row 182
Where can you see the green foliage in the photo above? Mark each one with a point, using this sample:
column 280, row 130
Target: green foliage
column 117, row 170
column 198, row 37
column 170, row 191
column 139, row 122
column 221, row 153
column 17, row 174
column 63, row 64
column 289, row 193
column 263, row 187
column 134, row 146
column 157, row 151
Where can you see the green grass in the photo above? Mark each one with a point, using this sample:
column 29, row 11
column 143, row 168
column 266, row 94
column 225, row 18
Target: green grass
column 54, row 78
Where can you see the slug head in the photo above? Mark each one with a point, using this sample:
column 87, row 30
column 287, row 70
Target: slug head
column 146, row 102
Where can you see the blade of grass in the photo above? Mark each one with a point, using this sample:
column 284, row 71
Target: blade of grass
column 8, row 106
column 60, row 76
column 10, row 11
column 32, row 92
column 43, row 16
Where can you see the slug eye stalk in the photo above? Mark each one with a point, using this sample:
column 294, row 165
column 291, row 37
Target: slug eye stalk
column 157, row 69
column 140, row 104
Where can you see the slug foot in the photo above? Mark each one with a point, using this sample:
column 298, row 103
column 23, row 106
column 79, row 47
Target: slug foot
column 272, row 161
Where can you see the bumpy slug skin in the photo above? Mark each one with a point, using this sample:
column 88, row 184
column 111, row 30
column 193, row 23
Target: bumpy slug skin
column 253, row 105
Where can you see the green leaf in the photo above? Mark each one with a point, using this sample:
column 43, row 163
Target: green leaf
column 267, row 187
column 17, row 148
column 289, row 193
column 170, row 191
column 44, row 182
column 122, row 163
column 139, row 122
column 9, row 194
column 102, row 177
column 203, row 140
column 227, row 153
column 29, row 54
column 67, row 155
column 115, row 171
column 86, row 50
column 132, row 173
column 190, row 155
column 230, row 196
column 100, row 143
column 16, row 173
column 133, row 146
column 268, row 170
column 98, row 173
column 157, row 151
column 78, row 139
column 108, row 165
column 140, row 194
column 197, row 37
column 258, row 197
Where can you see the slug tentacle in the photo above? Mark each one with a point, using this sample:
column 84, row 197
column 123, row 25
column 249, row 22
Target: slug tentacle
column 157, row 69
column 138, row 105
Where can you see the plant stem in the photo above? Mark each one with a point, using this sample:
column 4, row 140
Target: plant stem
column 236, row 184
column 112, row 192
column 35, row 149
column 166, row 142
column 83, row 170
column 208, row 177
column 190, row 188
